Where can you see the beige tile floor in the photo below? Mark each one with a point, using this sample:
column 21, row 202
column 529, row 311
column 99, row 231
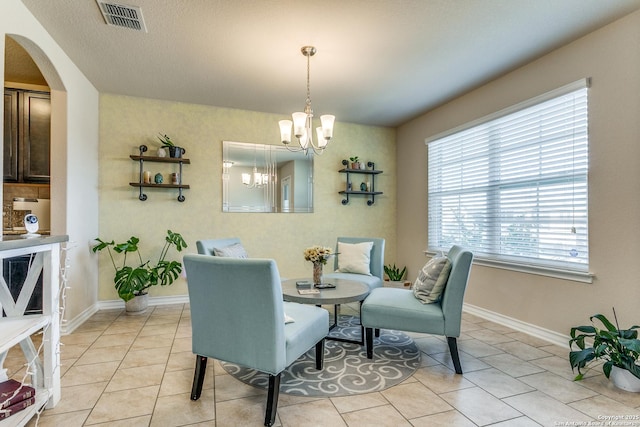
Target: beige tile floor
column 121, row 370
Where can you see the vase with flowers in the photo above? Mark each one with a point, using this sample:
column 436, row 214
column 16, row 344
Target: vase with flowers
column 318, row 255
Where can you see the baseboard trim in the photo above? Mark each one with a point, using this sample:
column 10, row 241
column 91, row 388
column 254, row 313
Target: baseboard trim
column 528, row 328
column 68, row 326
column 153, row 301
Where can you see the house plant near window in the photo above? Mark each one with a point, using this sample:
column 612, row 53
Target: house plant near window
column 132, row 282
column 618, row 348
column 395, row 276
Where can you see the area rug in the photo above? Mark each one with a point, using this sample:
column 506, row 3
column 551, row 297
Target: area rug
column 347, row 370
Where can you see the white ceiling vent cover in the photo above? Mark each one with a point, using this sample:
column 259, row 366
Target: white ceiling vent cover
column 120, row 15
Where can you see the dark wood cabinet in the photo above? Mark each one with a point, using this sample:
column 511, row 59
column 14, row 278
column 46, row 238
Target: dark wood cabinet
column 10, row 135
column 27, row 135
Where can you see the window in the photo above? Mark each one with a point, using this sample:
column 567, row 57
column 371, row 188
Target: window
column 512, row 187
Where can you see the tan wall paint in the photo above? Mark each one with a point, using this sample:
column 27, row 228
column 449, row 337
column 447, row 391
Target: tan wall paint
column 611, row 57
column 127, row 122
column 74, row 157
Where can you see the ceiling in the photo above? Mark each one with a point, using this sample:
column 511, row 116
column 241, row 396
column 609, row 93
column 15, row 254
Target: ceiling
column 379, row 62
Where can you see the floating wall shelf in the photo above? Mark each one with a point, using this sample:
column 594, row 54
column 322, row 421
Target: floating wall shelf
column 350, row 191
column 141, row 184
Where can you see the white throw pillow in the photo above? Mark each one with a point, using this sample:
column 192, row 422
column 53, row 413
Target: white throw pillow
column 235, row 250
column 432, row 279
column 354, row 257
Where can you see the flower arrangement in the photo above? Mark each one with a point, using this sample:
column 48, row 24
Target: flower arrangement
column 318, row 254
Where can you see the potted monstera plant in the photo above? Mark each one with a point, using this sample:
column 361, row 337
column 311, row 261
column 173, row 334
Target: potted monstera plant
column 133, row 281
column 619, row 349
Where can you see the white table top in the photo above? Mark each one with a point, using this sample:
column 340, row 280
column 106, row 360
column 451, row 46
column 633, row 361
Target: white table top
column 344, row 292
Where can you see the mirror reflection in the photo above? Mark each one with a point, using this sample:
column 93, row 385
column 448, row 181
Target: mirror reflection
column 265, row 178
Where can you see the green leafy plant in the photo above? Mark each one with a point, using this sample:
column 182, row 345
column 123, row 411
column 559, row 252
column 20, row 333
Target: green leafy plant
column 354, row 159
column 394, row 273
column 166, row 141
column 615, row 346
column 133, row 281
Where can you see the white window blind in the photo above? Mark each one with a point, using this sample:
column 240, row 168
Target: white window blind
column 512, row 187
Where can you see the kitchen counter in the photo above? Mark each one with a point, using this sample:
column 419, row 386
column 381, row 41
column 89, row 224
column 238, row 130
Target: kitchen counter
column 9, row 242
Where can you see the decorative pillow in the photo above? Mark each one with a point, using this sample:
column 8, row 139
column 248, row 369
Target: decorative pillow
column 354, row 257
column 432, row 279
column 232, row 251
column 288, row 319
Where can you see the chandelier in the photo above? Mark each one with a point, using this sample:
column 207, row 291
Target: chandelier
column 303, row 122
column 255, row 179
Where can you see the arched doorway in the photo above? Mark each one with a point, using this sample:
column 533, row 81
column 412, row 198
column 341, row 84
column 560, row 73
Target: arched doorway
column 29, row 71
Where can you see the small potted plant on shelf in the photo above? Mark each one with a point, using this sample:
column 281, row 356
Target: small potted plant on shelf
column 355, row 163
column 174, row 150
column 618, row 348
column 132, row 282
column 396, row 276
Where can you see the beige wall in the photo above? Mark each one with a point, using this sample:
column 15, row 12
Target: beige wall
column 74, row 151
column 611, row 57
column 127, row 122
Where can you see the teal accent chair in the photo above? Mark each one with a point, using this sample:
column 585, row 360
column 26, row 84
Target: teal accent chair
column 205, row 247
column 399, row 309
column 376, row 263
column 238, row 316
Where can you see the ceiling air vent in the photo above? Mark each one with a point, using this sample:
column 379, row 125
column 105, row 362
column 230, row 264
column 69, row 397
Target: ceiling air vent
column 120, row 15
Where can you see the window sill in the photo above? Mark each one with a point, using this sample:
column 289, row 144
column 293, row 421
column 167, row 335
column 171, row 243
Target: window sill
column 556, row 273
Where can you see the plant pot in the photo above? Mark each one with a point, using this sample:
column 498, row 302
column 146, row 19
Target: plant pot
column 176, row 152
column 137, row 305
column 402, row 284
column 355, row 165
column 624, row 379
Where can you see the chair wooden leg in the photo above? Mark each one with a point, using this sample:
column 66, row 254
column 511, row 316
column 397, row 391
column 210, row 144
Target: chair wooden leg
column 272, row 399
column 319, row 354
column 369, row 338
column 198, row 377
column 453, row 349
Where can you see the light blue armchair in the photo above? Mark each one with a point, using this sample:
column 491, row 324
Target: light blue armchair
column 399, row 309
column 238, row 316
column 376, row 263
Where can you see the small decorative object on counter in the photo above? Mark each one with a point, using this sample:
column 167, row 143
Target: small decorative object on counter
column 147, row 177
column 158, row 178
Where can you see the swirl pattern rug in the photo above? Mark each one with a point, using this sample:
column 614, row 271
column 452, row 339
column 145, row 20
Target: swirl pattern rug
column 347, row 370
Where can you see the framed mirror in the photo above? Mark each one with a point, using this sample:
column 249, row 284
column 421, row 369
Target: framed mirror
column 265, row 178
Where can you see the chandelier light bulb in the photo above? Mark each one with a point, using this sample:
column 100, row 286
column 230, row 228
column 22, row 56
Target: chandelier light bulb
column 285, row 131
